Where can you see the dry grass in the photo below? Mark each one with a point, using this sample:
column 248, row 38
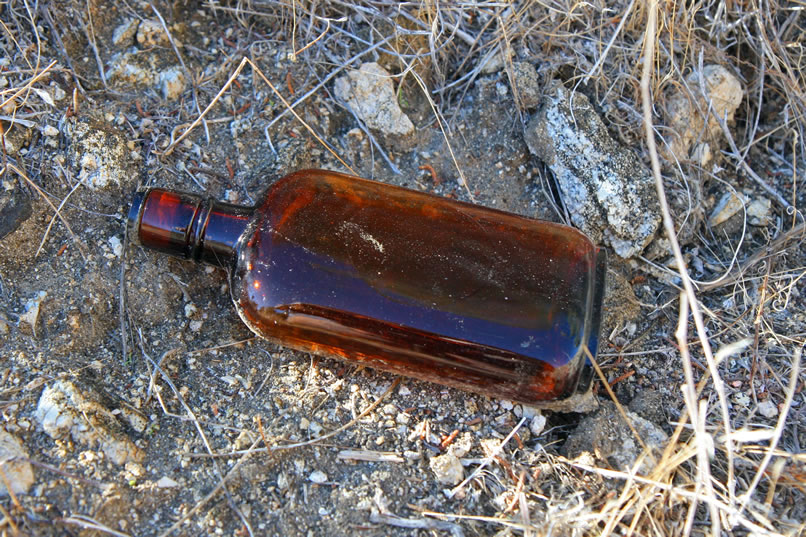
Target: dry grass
column 721, row 470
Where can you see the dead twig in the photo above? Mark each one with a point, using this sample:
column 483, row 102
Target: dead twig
column 668, row 224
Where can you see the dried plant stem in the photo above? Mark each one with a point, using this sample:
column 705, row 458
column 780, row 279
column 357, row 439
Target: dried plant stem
column 778, row 431
column 223, row 478
column 91, row 524
column 615, row 400
column 690, row 394
column 44, row 196
column 668, row 223
column 487, row 460
column 57, row 214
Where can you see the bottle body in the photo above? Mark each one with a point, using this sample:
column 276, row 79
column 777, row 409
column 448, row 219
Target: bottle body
column 418, row 285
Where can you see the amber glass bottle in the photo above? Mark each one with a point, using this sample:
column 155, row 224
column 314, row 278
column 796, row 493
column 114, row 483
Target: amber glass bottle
column 400, row 280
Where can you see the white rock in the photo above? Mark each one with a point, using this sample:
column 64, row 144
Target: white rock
column 166, row 482
column 15, row 138
column 447, row 469
column 50, row 130
column 462, row 445
column 530, row 411
column 116, row 245
column 123, row 35
column 129, row 69
column 729, row 204
column 768, row 409
column 723, row 93
column 99, row 153
column 537, row 424
column 150, row 34
column 58, row 92
column 742, row 399
column 318, row 477
column 19, row 473
column 371, row 95
column 758, row 211
column 32, row 307
column 190, row 309
column 65, row 409
column 610, row 194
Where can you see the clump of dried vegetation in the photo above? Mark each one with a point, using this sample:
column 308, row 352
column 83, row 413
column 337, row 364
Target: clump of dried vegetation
column 738, row 332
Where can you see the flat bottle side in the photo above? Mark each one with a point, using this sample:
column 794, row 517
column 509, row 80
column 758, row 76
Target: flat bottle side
column 368, row 272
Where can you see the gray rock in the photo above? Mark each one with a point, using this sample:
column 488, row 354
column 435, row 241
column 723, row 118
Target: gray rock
column 608, row 192
column 15, row 208
column 768, row 409
column 728, row 205
column 759, row 212
column 125, row 32
column 67, row 408
column 131, row 69
column 32, row 309
column 14, row 139
column 526, row 84
column 369, row 92
column 607, row 436
column 537, row 424
column 19, row 474
column 648, row 404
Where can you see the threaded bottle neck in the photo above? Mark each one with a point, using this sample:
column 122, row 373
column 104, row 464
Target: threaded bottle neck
column 188, row 226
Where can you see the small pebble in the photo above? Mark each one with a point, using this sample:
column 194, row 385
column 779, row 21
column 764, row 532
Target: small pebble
column 768, row 409
column 318, row 477
column 537, row 424
column 18, row 474
column 447, row 469
column 166, row 482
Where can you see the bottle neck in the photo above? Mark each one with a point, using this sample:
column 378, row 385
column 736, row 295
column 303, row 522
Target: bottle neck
column 188, row 226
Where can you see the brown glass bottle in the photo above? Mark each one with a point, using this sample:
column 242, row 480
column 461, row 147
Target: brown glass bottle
column 400, row 280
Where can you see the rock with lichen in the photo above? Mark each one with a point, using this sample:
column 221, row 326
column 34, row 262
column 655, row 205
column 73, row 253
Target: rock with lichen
column 609, row 193
column 98, row 153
